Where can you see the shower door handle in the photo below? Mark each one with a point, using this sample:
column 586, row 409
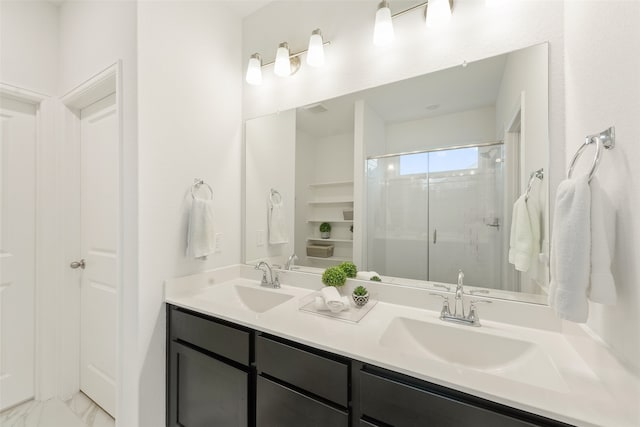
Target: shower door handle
column 435, row 235
column 78, row 264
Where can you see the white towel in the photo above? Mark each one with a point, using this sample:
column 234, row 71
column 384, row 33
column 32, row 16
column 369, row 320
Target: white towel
column 571, row 250
column 277, row 223
column 602, row 287
column 521, row 239
column 201, row 235
column 366, row 275
column 322, row 306
column 333, row 299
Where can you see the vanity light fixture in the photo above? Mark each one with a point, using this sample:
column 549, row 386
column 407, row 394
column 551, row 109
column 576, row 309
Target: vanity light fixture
column 287, row 63
column 284, row 65
column 254, row 70
column 315, row 52
column 383, row 29
column 438, row 13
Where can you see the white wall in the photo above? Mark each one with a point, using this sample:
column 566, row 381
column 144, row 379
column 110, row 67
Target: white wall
column 189, row 99
column 369, row 140
column 269, row 164
column 29, row 45
column 442, row 131
column 602, row 87
column 93, row 36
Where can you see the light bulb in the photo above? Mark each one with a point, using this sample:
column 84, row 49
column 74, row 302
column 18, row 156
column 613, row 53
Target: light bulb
column 254, row 70
column 282, row 66
column 383, row 29
column 438, row 13
column 315, row 54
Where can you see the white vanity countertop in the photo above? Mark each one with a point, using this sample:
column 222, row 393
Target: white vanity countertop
column 572, row 393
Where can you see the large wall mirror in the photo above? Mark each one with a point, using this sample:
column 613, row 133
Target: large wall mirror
column 417, row 179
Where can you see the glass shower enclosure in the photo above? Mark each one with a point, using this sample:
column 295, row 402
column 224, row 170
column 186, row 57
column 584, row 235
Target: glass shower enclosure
column 432, row 213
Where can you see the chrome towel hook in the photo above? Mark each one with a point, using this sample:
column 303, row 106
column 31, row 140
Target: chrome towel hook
column 606, row 139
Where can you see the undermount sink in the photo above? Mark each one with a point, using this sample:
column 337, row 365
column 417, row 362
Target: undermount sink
column 471, row 348
column 260, row 300
column 245, row 297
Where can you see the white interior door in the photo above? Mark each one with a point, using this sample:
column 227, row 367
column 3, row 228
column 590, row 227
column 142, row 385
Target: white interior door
column 99, row 241
column 17, row 251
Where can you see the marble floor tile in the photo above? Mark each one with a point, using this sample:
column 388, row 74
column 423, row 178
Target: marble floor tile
column 51, row 413
column 78, row 411
column 91, row 414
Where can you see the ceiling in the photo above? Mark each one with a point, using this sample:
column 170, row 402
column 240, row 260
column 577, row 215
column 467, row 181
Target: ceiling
column 454, row 89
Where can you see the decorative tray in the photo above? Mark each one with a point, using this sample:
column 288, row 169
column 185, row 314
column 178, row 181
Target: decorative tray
column 353, row 314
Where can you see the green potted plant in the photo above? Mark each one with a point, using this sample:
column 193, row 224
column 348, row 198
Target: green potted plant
column 376, row 279
column 334, row 276
column 325, row 230
column 349, row 269
column 360, row 296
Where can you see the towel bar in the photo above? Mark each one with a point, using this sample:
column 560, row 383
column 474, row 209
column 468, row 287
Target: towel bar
column 606, row 139
column 196, row 185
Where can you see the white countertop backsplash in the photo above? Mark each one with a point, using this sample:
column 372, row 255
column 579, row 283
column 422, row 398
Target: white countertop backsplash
column 596, row 391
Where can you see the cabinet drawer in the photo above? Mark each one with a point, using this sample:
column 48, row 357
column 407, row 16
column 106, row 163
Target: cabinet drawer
column 401, row 405
column 210, row 335
column 279, row 406
column 319, row 375
column 204, row 391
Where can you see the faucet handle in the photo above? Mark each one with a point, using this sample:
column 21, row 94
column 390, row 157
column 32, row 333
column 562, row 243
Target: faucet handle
column 264, row 281
column 479, row 291
column 441, row 286
column 473, row 311
column 445, row 304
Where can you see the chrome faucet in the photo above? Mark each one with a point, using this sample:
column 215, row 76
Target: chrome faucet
column 458, row 316
column 290, row 262
column 274, row 280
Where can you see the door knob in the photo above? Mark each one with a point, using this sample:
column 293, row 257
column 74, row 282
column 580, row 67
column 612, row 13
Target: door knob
column 78, row 264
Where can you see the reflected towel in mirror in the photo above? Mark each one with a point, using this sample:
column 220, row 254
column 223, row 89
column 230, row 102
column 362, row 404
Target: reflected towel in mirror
column 277, row 222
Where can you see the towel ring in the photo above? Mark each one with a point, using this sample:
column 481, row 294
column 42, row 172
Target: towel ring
column 196, row 185
column 539, row 174
column 604, row 139
column 275, row 196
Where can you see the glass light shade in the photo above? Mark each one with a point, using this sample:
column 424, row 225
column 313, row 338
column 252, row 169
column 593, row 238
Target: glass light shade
column 254, row 70
column 438, row 13
column 315, row 53
column 282, row 66
column 383, row 30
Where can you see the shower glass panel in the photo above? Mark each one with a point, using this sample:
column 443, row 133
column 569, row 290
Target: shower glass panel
column 433, row 213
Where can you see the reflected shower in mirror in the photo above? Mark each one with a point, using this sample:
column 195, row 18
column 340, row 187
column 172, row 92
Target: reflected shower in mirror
column 415, row 179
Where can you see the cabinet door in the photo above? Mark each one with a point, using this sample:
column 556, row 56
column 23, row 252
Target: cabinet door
column 279, row 406
column 205, row 392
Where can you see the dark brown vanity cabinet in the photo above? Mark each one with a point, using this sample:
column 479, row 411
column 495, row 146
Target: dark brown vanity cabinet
column 298, row 386
column 222, row 374
column 391, row 399
column 209, row 377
